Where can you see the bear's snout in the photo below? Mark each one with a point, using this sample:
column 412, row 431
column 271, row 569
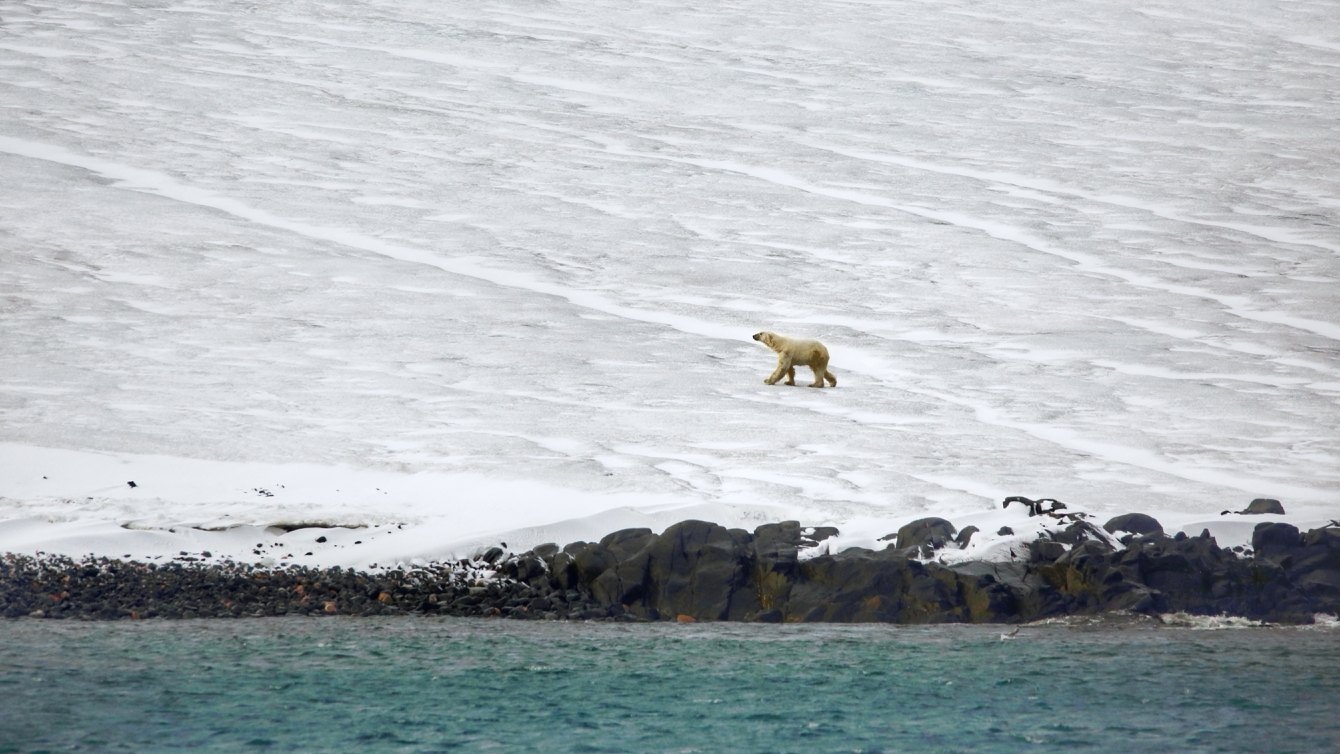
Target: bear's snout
column 758, row 336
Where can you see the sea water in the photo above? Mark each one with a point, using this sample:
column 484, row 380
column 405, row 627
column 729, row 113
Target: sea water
column 431, row 685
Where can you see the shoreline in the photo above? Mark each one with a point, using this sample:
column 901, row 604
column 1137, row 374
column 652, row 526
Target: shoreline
column 699, row 571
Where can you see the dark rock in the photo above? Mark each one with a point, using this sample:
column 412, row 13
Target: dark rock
column 1080, row 532
column 625, row 583
column 925, row 534
column 1264, row 505
column 532, row 570
column 1046, row 550
column 491, row 555
column 741, row 535
column 1036, row 507
column 1134, row 523
column 696, row 568
column 1328, row 537
column 705, row 572
column 563, row 571
column 1275, row 540
column 591, row 561
column 823, row 532
column 786, row 532
column 965, row 536
column 627, row 542
column 856, row 585
column 1005, row 531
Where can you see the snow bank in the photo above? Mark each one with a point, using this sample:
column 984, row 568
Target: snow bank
column 489, row 272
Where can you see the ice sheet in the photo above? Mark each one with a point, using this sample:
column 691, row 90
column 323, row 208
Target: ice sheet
column 512, row 255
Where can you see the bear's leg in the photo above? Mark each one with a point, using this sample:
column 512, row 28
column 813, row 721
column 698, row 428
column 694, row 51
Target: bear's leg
column 831, row 379
column 820, row 368
column 783, row 364
column 791, row 375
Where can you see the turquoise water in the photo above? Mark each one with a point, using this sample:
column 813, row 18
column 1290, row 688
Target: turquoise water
column 439, row 685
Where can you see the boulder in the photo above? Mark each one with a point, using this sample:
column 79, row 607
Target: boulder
column 562, row 572
column 1080, row 532
column 965, row 536
column 925, row 534
column 1089, row 554
column 625, row 543
column 1322, row 584
column 1327, row 536
column 1264, row 505
column 626, row 582
column 776, row 548
column 855, row 586
column 528, row 568
column 591, row 561
column 1134, row 523
column 1045, row 550
column 696, row 568
column 1275, row 540
column 823, row 532
column 546, row 552
column 786, row 532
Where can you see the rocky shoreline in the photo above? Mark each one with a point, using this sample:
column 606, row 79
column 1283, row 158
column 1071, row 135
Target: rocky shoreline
column 699, row 571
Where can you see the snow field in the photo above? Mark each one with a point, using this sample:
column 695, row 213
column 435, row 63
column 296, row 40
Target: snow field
column 501, row 262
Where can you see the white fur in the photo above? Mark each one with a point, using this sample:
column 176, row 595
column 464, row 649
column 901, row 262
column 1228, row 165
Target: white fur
column 793, row 351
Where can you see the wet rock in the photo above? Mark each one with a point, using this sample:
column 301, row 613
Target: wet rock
column 1134, row 523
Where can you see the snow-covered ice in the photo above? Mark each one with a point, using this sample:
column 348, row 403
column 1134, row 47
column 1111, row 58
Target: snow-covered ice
column 464, row 271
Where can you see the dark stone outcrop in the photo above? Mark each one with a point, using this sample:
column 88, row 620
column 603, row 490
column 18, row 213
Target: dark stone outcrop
column 965, row 536
column 1134, row 523
column 1264, row 505
column 707, row 572
column 924, row 536
column 704, row 571
column 699, row 571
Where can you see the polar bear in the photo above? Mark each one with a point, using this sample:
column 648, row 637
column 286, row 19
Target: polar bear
column 793, row 351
